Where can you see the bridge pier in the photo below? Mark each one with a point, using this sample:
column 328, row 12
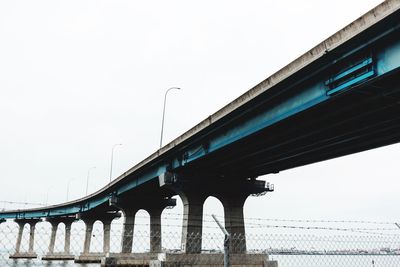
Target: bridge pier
column 106, row 218
column 234, row 221
column 106, row 234
column 154, row 207
column 192, row 225
column 66, row 255
column 232, row 192
column 128, row 229
column 31, row 253
column 88, row 235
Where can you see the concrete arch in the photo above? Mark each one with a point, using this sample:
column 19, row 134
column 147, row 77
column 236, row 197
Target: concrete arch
column 77, row 237
column 141, row 235
column 9, row 230
column 42, row 236
column 25, row 237
column 171, row 221
column 60, row 238
column 97, row 242
column 116, row 228
column 212, row 236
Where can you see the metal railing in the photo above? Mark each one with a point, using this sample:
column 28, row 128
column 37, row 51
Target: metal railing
column 288, row 250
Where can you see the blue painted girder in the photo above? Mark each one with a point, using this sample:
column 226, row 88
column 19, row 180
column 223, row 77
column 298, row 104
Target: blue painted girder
column 331, row 76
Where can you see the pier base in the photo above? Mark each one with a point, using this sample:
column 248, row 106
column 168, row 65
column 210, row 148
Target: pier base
column 23, row 255
column 58, row 257
column 186, row 260
column 90, row 258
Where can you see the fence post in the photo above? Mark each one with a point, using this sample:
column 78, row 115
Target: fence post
column 226, row 241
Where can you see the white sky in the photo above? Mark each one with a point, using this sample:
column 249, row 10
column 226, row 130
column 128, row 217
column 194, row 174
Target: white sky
column 77, row 77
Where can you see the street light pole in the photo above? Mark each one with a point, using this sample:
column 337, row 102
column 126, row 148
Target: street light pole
column 112, row 156
column 87, row 179
column 70, row 180
column 163, row 116
column 47, row 194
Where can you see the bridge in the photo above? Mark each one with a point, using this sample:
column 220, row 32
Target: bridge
column 339, row 98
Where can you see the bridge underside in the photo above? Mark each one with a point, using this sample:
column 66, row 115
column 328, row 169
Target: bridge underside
column 362, row 118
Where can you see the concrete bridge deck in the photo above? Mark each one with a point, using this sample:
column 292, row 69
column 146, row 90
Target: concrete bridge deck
column 341, row 97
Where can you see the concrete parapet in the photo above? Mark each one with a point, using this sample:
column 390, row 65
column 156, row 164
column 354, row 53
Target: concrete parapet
column 197, row 260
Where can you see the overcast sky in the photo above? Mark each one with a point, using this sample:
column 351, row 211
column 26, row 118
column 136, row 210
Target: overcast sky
column 77, row 77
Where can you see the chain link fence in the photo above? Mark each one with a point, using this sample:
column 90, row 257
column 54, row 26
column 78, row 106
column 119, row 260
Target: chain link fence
column 307, row 249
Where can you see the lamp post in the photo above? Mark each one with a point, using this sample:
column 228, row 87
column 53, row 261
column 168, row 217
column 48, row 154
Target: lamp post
column 47, row 194
column 87, row 179
column 163, row 115
column 70, row 180
column 112, row 156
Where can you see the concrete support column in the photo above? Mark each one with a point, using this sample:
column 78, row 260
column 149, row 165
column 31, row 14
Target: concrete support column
column 192, row 225
column 154, row 206
column 32, row 225
column 19, row 237
column 155, row 229
column 234, row 221
column 106, row 217
column 127, row 232
column 67, row 240
column 88, row 235
column 233, row 198
column 106, row 235
column 54, row 226
column 65, row 255
column 30, row 253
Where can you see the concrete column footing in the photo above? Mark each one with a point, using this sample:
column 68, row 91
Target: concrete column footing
column 23, row 255
column 58, row 256
column 89, row 258
column 187, row 260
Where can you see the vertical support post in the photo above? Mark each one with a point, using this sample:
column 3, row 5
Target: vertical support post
column 55, row 222
column 155, row 229
column 127, row 232
column 30, row 253
column 106, row 235
column 88, row 235
column 192, row 227
column 19, row 237
column 67, row 240
column 53, row 234
column 32, row 236
column 234, row 222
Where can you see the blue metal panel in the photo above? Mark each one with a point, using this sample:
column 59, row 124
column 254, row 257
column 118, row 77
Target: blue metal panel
column 306, row 98
column 141, row 179
column 388, row 58
column 363, row 64
column 359, row 79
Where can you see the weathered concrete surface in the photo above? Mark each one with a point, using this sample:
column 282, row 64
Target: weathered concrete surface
column 89, row 258
column 128, row 259
column 58, row 256
column 24, row 255
column 198, row 260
